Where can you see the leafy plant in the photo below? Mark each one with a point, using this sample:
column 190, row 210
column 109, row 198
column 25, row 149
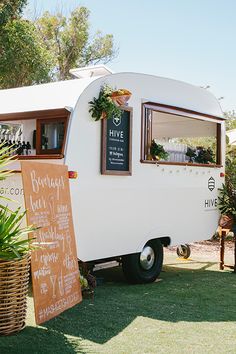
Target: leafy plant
column 227, row 201
column 200, row 155
column 227, row 194
column 157, row 151
column 12, row 244
column 103, row 106
column 204, row 155
column 191, row 153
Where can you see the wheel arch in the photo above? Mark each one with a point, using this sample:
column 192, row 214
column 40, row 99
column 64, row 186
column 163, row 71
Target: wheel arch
column 165, row 241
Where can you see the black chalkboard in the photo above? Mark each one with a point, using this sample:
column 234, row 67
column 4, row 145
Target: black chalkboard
column 116, row 144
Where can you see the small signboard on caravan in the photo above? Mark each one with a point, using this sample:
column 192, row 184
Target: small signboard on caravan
column 54, row 265
column 117, row 144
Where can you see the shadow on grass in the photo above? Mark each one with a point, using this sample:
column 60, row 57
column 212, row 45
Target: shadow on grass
column 37, row 340
column 181, row 295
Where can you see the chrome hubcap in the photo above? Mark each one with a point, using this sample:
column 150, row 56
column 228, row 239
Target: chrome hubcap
column 147, row 258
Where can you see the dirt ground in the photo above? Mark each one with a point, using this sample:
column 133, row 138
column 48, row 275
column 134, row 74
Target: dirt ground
column 207, row 250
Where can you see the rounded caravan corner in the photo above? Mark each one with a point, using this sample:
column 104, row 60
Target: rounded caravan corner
column 123, row 209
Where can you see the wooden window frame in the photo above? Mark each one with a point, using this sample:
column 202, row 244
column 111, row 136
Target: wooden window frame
column 146, row 132
column 39, row 122
column 58, row 114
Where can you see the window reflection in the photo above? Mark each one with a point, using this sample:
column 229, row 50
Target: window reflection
column 52, row 135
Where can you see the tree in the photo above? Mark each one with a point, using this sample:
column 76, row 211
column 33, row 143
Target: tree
column 45, row 50
column 69, row 42
column 10, row 9
column 231, row 119
column 23, row 58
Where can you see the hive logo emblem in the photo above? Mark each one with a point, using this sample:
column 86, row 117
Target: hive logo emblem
column 117, row 121
column 211, row 184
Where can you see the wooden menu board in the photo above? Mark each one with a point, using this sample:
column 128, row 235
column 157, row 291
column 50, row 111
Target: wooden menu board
column 54, row 266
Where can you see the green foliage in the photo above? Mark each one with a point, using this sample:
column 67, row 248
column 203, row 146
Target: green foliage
column 10, row 9
column 104, row 104
column 23, row 58
column 200, row 155
column 227, row 195
column 12, row 244
column 45, row 50
column 157, row 151
column 227, row 200
column 68, row 41
column 231, row 119
column 191, row 153
column 204, row 155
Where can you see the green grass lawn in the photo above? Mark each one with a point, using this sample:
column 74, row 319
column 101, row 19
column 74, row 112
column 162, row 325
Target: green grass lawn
column 192, row 309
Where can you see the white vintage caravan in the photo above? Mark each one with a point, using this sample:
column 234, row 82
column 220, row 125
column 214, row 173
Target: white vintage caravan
column 125, row 212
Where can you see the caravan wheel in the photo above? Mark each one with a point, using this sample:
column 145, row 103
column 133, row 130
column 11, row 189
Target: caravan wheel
column 183, row 251
column 144, row 267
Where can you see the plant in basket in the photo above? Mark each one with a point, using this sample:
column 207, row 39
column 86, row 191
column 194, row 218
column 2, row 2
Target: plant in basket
column 14, row 261
column 108, row 102
column 121, row 97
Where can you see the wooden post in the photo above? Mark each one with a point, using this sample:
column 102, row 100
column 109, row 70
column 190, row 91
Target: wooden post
column 234, row 271
column 222, row 247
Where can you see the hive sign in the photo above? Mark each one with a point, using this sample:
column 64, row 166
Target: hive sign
column 211, row 204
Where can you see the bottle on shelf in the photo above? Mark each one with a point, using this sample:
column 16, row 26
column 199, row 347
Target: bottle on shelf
column 28, row 148
column 23, row 148
column 19, row 148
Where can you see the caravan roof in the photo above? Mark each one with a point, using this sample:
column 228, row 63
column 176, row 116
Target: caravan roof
column 65, row 94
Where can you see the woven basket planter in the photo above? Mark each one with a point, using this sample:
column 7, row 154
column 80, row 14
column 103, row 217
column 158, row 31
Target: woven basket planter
column 14, row 282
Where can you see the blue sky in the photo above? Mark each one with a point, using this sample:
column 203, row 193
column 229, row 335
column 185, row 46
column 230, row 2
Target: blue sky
column 188, row 40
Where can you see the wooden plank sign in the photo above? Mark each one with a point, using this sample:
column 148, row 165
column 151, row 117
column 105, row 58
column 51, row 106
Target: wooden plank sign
column 54, row 266
column 117, row 144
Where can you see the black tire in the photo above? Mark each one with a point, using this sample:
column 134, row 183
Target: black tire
column 133, row 266
column 183, row 251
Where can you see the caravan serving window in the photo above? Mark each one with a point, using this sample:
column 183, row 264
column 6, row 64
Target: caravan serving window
column 172, row 136
column 38, row 134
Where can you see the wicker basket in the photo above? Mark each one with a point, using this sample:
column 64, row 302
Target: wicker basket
column 14, row 281
column 120, row 100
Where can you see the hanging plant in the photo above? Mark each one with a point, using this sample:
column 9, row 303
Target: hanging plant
column 106, row 105
column 121, row 97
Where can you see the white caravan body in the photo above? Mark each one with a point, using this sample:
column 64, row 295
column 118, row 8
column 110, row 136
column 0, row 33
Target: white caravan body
column 118, row 215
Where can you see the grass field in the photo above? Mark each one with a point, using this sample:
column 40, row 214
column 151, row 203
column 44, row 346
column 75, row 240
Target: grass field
column 190, row 309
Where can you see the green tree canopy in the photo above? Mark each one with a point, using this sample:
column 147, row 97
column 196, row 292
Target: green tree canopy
column 10, row 9
column 231, row 119
column 68, row 41
column 23, row 58
column 45, row 50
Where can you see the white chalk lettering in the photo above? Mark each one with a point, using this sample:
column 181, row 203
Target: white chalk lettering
column 46, row 182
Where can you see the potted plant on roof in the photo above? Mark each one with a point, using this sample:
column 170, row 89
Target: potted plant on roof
column 14, row 262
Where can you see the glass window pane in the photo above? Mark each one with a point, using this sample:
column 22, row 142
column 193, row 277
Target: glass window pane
column 52, row 135
column 182, row 139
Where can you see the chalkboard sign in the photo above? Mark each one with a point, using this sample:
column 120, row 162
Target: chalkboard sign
column 54, row 266
column 117, row 144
